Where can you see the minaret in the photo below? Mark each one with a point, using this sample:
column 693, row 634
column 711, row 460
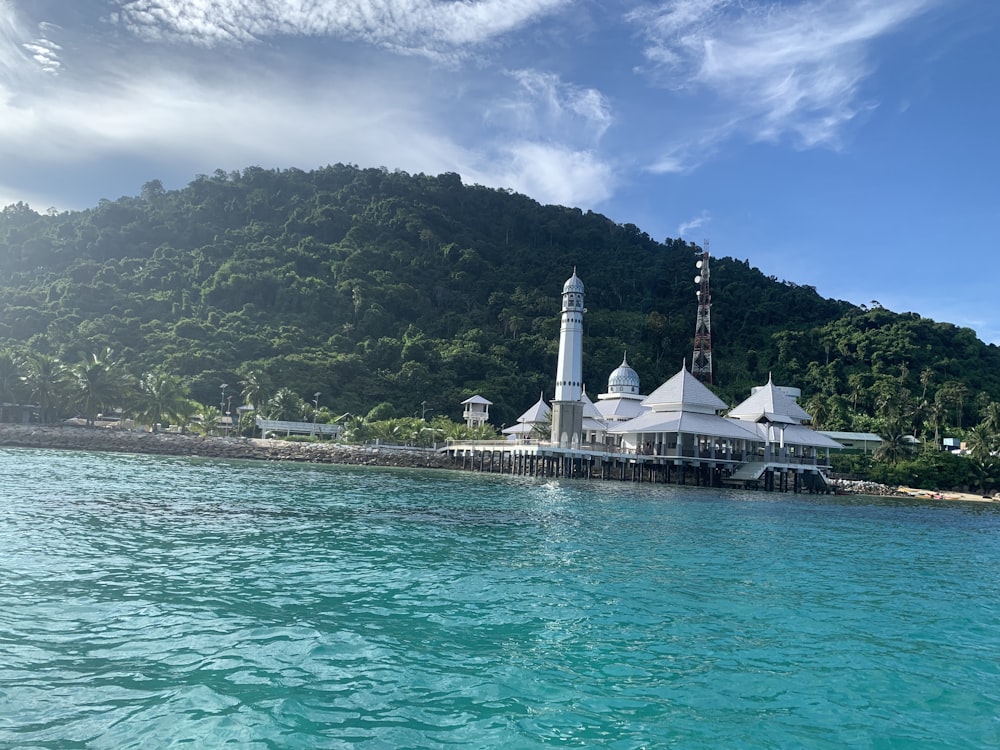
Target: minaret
column 567, row 407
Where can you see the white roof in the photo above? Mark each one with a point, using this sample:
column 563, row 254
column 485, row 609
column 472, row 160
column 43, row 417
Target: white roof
column 477, row 399
column 620, row 408
column 623, row 379
column 870, row 437
column 684, row 392
column 573, row 284
column 589, row 410
column 691, row 423
column 799, row 434
column 539, row 412
column 521, row 428
column 771, row 404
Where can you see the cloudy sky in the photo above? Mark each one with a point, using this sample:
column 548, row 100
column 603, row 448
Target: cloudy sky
column 847, row 144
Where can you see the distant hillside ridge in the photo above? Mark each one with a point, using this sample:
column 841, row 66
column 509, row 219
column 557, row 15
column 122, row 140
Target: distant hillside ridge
column 373, row 286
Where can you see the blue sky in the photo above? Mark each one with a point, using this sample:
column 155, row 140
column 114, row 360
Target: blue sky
column 846, row 144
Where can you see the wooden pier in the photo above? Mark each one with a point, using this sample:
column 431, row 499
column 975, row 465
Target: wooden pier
column 545, row 460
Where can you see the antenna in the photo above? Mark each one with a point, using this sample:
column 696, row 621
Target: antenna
column 701, row 362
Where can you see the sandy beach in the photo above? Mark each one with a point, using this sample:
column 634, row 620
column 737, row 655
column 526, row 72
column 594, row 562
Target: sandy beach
column 946, row 495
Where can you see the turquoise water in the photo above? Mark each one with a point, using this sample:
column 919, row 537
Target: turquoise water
column 152, row 602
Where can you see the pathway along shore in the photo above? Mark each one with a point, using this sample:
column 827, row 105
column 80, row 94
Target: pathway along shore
column 170, row 444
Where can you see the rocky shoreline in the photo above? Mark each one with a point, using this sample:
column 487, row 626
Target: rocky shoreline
column 171, row 444
column 861, row 487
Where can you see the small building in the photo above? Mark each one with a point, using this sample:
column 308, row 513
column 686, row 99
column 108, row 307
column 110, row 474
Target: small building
column 476, row 412
column 534, row 423
column 855, row 442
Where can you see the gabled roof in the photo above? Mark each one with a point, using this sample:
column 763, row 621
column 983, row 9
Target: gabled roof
column 691, row 423
column 798, row 434
column 620, row 408
column 537, row 413
column 684, row 392
column 477, row 399
column 870, row 437
column 589, row 410
column 770, row 404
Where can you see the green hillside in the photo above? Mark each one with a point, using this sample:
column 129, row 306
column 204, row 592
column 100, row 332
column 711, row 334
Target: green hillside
column 372, row 286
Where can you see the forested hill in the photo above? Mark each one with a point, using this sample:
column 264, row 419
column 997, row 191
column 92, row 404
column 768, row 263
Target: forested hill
column 373, row 286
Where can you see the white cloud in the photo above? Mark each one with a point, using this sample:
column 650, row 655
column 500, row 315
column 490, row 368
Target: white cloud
column 552, row 173
column 775, row 69
column 421, row 26
column 543, row 104
column 695, row 223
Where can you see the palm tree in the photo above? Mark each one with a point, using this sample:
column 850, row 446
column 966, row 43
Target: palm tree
column 46, row 379
column 817, row 408
column 991, row 420
column 10, row 376
column 162, row 398
column 285, row 405
column 357, row 430
column 210, row 419
column 894, row 447
column 983, row 446
column 982, row 443
column 99, row 382
column 253, row 389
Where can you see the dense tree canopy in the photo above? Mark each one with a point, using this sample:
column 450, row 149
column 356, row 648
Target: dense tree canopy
column 372, row 286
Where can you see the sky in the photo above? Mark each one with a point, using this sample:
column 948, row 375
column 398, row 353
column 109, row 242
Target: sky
column 850, row 145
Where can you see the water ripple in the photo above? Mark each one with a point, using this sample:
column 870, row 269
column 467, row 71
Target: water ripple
column 149, row 601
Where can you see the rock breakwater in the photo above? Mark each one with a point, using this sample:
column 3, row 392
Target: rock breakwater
column 861, row 487
column 169, row 444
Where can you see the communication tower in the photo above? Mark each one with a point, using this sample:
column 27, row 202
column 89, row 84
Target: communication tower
column 701, row 362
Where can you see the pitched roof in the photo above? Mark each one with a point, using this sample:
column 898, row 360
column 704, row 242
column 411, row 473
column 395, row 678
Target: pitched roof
column 477, row 399
column 692, row 423
column 620, row 408
column 770, row 404
column 589, row 410
column 684, row 392
column 537, row 413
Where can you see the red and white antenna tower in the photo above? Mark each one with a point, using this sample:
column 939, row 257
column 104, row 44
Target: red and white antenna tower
column 701, row 362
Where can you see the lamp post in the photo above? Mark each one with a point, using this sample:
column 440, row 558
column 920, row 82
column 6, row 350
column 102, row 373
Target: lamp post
column 315, row 409
column 222, row 401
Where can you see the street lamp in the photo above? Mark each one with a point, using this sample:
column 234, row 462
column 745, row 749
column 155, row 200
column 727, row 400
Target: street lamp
column 315, row 409
column 222, row 401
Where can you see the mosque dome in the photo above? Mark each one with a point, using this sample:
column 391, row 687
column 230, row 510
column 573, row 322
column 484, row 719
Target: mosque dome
column 623, row 379
column 573, row 284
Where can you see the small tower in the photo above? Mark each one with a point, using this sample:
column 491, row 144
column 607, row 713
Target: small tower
column 701, row 362
column 477, row 411
column 567, row 408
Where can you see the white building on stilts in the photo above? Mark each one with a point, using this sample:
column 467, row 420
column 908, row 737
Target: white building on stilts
column 676, row 434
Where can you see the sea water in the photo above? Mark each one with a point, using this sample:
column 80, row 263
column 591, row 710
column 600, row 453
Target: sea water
column 158, row 602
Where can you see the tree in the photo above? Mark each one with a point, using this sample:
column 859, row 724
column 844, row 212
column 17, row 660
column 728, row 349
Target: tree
column 895, row 447
column 99, row 383
column 46, row 380
column 10, row 377
column 285, row 405
column 162, row 398
column 211, row 420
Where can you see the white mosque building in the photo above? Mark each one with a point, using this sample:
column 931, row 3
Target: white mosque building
column 678, row 432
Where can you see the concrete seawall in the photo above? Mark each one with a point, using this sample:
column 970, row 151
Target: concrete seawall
column 168, row 444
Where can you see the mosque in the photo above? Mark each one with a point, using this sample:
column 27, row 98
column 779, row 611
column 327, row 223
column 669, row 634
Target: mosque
column 681, row 432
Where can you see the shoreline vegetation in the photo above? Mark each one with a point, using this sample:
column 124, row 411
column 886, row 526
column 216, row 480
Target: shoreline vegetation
column 175, row 444
column 64, row 437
